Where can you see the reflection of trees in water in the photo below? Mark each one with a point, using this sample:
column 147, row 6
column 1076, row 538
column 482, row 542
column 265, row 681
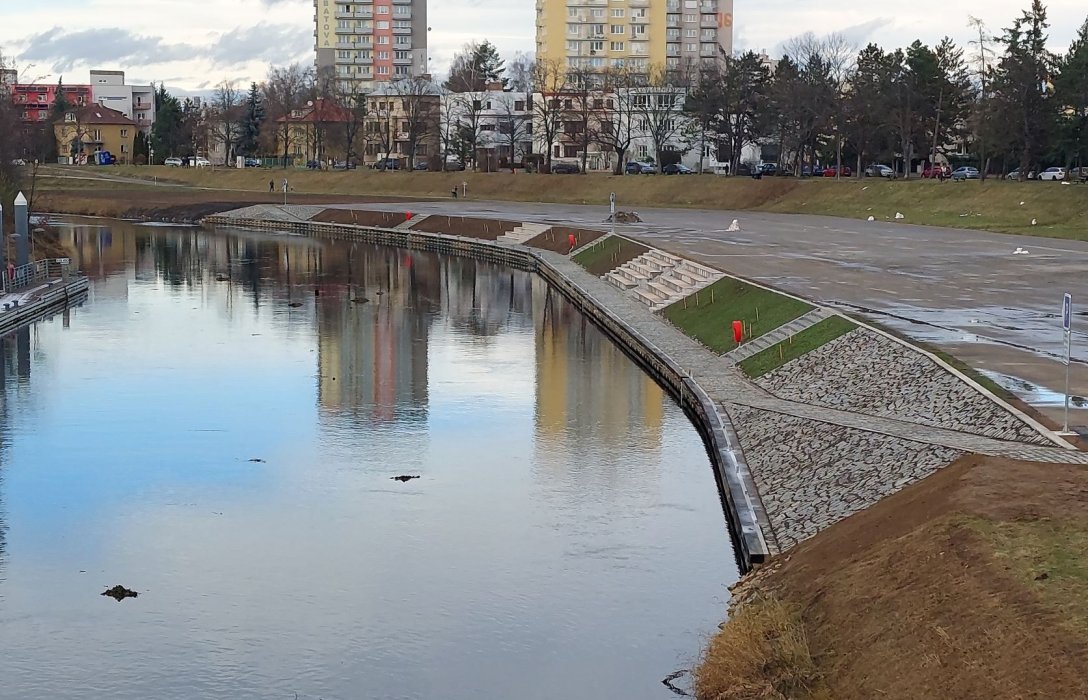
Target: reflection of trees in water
column 14, row 373
column 482, row 296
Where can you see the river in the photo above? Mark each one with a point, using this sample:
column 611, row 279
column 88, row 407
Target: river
column 217, row 428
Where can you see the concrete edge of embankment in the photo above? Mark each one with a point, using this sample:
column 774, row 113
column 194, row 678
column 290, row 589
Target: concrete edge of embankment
column 745, row 514
column 48, row 303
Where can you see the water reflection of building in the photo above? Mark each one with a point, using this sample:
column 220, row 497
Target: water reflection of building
column 373, row 354
column 585, row 384
column 15, row 353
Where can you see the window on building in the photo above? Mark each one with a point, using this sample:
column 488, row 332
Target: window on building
column 618, row 12
column 617, row 46
column 383, row 9
column 383, row 41
column 618, row 29
column 124, row 133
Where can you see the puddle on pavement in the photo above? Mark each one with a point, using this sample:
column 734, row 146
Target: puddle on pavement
column 1033, row 393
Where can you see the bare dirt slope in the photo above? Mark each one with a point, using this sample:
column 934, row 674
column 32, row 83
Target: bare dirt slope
column 970, row 584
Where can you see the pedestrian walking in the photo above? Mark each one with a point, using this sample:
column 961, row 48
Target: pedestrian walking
column 271, row 185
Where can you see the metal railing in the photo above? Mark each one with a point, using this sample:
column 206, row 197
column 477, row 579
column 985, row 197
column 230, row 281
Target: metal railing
column 17, row 278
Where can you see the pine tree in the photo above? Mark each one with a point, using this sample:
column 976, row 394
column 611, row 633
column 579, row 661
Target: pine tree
column 1071, row 91
column 253, row 119
column 476, row 67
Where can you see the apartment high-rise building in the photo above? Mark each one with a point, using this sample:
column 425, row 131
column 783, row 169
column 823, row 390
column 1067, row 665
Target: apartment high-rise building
column 641, row 34
column 365, row 42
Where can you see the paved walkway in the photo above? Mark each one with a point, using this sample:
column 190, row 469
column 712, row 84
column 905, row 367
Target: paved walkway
column 725, row 384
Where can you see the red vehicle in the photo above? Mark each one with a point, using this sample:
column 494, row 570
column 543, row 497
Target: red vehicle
column 937, row 171
column 830, row 171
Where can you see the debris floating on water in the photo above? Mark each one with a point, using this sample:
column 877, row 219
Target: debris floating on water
column 119, row 593
column 258, row 460
column 404, row 477
column 295, row 304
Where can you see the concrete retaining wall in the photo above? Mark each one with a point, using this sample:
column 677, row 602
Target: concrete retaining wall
column 737, row 489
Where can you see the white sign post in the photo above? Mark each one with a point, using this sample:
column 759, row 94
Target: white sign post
column 1067, row 326
column 612, row 210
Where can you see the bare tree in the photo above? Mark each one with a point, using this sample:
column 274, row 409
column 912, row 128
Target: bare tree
column 549, row 79
column 613, row 127
column 420, row 111
column 519, row 72
column 515, row 124
column 285, row 92
column 356, row 108
column 658, row 109
column 227, row 117
column 11, row 147
column 470, row 113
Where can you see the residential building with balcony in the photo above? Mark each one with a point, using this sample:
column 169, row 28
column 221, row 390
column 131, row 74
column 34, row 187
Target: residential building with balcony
column 403, row 122
column 35, row 102
column 639, row 34
column 137, row 102
column 364, row 43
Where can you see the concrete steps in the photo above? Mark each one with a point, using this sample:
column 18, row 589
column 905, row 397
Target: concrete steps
column 523, row 233
column 658, row 279
column 769, row 340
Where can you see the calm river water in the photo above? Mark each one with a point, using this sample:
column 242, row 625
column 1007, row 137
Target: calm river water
column 565, row 539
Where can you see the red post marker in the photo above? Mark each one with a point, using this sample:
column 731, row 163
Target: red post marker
column 738, row 331
column 407, row 216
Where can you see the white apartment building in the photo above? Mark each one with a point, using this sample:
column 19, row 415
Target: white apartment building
column 137, row 102
column 500, row 123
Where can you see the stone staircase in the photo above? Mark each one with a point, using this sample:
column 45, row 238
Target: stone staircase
column 523, row 233
column 769, row 340
column 658, row 279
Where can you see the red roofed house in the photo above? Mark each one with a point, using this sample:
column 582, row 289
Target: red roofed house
column 86, row 131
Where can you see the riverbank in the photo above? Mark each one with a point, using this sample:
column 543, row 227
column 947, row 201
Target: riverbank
column 968, row 584
column 1032, row 208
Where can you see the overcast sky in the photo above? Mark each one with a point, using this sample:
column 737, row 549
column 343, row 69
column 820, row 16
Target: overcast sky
column 194, row 44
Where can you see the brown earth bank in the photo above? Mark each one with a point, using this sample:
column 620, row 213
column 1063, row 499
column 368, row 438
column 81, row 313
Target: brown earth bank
column 174, row 205
column 970, row 584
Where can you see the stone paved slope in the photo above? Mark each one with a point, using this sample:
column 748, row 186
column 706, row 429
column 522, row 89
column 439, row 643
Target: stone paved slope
column 869, row 373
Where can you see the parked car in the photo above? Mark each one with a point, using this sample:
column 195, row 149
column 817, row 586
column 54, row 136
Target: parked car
column 638, row 167
column 253, row 163
column 831, row 171
column 565, row 168
column 343, row 165
column 18, row 162
column 1052, row 174
column 876, row 170
column 936, row 171
column 1078, row 174
column 677, row 169
column 454, row 165
column 172, row 162
column 809, row 170
column 421, row 165
column 965, row 173
column 387, row 164
column 201, row 162
column 769, row 169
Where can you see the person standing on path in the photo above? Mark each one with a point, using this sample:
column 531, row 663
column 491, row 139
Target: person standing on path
column 271, row 185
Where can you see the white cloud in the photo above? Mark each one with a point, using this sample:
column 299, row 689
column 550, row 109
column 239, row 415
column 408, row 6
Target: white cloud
column 195, row 45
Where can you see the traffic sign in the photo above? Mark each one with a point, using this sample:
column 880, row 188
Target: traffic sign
column 612, row 202
column 1067, row 312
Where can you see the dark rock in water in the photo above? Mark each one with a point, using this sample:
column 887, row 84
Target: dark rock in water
column 119, row 593
column 258, row 460
column 295, row 304
column 360, row 300
column 380, row 292
column 403, row 477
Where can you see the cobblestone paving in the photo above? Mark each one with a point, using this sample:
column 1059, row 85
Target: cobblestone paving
column 811, row 475
column 866, row 372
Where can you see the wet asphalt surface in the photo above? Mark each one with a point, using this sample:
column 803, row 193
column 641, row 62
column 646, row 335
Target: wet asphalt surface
column 964, row 291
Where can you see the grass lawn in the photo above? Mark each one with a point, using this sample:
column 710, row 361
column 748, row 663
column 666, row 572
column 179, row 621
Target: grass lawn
column 804, row 342
column 608, row 254
column 708, row 315
column 995, row 205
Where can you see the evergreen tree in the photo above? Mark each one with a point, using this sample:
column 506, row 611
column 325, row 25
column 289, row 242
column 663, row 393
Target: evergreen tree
column 168, row 136
column 252, row 121
column 1022, row 105
column 476, row 67
column 1071, row 91
column 140, row 150
column 60, row 103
